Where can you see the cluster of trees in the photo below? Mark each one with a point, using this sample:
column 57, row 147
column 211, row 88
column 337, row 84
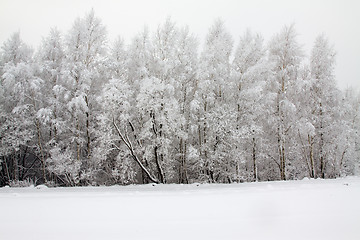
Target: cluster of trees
column 81, row 111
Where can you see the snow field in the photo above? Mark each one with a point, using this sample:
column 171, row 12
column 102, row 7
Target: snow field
column 307, row 209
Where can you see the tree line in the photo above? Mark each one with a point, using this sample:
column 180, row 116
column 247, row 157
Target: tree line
column 81, row 111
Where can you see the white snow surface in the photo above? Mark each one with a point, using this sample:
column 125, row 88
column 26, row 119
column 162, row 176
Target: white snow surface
column 306, row 209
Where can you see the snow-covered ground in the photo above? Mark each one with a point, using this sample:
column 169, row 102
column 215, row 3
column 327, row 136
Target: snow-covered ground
column 307, row 209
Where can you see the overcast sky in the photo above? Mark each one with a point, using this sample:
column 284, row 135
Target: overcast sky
column 338, row 19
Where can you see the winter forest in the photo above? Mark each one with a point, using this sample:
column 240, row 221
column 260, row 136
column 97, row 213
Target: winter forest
column 170, row 108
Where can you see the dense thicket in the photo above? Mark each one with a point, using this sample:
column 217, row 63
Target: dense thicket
column 80, row 111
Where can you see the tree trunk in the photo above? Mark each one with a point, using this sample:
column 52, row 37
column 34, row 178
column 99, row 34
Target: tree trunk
column 186, row 179
column 77, row 141
column 41, row 150
column 87, row 128
column 322, row 164
column 311, row 156
column 158, row 165
column 7, row 170
column 254, row 160
column 183, row 178
column 283, row 176
column 16, row 167
column 281, row 149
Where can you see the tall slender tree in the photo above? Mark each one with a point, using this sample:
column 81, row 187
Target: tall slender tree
column 86, row 53
column 214, row 108
column 250, row 72
column 286, row 55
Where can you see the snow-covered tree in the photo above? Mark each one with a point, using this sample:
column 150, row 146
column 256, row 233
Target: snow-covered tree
column 332, row 130
column 285, row 55
column 161, row 123
column 113, row 158
column 118, row 60
column 158, row 109
column 250, row 72
column 51, row 57
column 20, row 103
column 139, row 53
column 85, row 57
column 186, row 75
column 14, row 50
column 55, row 115
column 213, row 106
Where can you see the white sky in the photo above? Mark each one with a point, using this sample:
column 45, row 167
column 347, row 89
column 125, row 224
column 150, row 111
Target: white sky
column 338, row 19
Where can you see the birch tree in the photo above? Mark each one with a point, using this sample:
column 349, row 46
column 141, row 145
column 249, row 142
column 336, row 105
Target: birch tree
column 286, row 55
column 213, row 105
column 250, row 72
column 21, row 102
column 333, row 131
column 85, row 51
